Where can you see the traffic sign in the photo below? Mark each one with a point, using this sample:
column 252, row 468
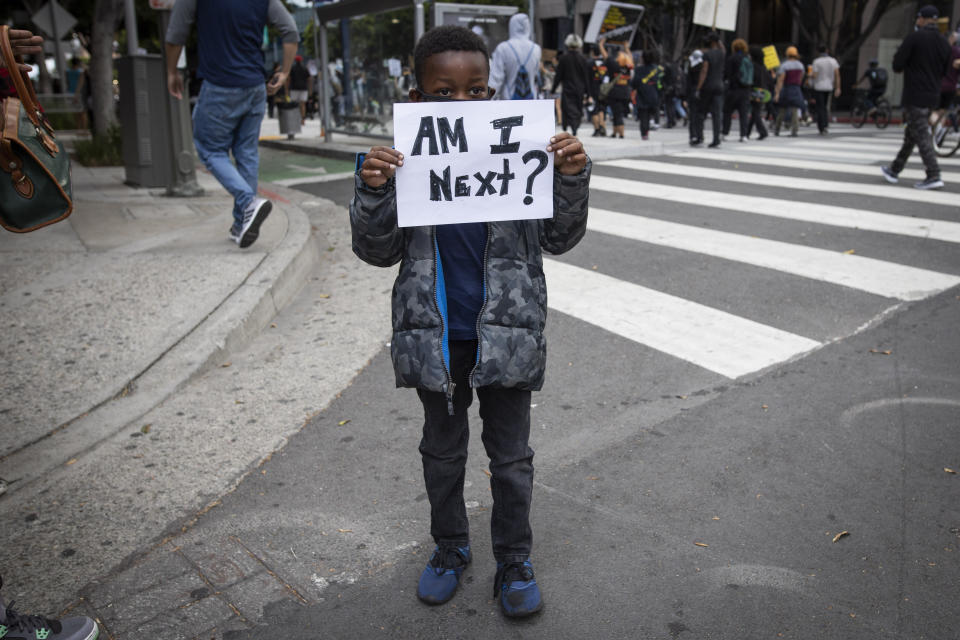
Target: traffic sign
column 65, row 21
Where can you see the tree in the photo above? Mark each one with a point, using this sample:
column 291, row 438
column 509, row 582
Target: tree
column 846, row 34
column 106, row 13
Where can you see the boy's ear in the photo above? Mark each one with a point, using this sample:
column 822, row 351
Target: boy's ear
column 415, row 95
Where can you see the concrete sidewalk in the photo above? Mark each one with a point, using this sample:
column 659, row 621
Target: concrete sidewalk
column 114, row 309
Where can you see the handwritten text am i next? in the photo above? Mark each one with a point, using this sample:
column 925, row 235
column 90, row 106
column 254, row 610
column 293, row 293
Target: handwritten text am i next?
column 477, row 161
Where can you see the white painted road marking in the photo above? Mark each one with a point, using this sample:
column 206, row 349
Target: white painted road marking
column 859, row 169
column 715, row 340
column 883, row 189
column 866, row 274
column 806, row 211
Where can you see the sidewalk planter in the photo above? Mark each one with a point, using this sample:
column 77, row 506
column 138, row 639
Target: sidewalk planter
column 288, row 115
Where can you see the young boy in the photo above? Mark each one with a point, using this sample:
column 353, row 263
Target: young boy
column 469, row 306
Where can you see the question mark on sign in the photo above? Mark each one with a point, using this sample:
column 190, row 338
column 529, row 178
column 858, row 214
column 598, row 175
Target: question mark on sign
column 542, row 158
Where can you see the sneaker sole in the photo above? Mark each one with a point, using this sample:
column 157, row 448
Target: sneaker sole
column 253, row 232
column 517, row 616
column 890, row 179
column 927, row 187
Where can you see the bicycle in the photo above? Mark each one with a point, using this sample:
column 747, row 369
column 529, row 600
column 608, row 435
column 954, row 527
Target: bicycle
column 863, row 108
column 946, row 133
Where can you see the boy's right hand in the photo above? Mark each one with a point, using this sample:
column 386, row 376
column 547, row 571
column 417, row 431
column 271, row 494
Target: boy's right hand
column 380, row 165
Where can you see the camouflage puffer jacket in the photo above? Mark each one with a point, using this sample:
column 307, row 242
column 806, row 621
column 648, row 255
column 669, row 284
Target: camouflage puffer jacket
column 512, row 347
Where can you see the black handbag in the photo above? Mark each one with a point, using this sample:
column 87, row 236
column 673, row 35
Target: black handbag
column 35, row 187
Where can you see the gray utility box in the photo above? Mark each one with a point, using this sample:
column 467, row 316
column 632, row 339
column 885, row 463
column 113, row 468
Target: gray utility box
column 143, row 116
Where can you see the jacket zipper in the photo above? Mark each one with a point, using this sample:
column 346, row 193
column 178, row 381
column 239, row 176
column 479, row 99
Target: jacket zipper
column 451, row 385
column 486, row 250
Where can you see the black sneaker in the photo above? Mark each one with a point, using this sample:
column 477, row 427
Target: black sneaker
column 929, row 183
column 890, row 176
column 20, row 626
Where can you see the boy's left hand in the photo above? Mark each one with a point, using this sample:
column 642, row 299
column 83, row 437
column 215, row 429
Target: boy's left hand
column 569, row 157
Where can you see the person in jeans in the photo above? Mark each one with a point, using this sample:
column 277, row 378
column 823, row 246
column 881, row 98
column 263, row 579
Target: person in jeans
column 789, row 92
column 923, row 58
column 738, row 91
column 233, row 96
column 826, row 82
column 469, row 309
column 709, row 93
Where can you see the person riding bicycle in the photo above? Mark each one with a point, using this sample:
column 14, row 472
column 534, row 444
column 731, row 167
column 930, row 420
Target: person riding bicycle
column 877, row 76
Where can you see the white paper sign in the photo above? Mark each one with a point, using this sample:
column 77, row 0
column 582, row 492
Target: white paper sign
column 716, row 14
column 473, row 161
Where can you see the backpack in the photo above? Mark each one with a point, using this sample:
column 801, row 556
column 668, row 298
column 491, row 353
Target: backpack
column 521, row 82
column 879, row 78
column 745, row 72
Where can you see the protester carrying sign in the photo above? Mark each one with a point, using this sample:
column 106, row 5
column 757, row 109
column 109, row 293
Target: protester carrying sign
column 469, row 307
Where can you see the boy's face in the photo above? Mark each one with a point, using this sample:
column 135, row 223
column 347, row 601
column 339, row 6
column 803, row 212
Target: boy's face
column 454, row 75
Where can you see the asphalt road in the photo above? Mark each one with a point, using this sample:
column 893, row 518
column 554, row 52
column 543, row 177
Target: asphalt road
column 751, row 408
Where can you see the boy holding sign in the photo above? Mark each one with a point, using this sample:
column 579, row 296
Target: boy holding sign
column 469, row 307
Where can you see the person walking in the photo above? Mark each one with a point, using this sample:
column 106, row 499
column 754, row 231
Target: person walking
column 709, row 92
column 573, row 75
column 826, row 82
column 738, row 74
column 298, row 82
column 789, row 92
column 233, row 97
column 596, row 104
column 695, row 119
column 646, row 77
column 923, row 58
column 619, row 64
column 760, row 93
column 515, row 63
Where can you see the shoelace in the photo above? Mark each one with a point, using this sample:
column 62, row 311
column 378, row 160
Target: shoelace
column 27, row 623
column 511, row 573
column 447, row 558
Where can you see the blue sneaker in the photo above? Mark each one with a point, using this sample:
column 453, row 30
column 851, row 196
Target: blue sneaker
column 440, row 577
column 517, row 588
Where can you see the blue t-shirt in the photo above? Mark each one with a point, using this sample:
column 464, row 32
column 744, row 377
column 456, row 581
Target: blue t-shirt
column 229, row 37
column 461, row 249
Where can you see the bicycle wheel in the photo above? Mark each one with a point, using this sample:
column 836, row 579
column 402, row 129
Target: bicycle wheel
column 858, row 115
column 882, row 114
column 950, row 140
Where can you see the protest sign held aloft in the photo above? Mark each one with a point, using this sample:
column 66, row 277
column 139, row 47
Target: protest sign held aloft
column 473, row 161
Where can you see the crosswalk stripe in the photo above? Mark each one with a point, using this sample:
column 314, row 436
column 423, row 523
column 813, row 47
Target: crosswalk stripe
column 806, row 211
column 882, row 152
column 787, row 150
column 867, row 274
column 715, row 340
column 814, row 165
column 793, row 182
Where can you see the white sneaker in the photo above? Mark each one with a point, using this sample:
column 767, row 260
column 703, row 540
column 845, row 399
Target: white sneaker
column 929, row 183
column 253, row 216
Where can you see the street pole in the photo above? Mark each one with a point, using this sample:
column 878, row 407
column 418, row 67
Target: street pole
column 130, row 18
column 183, row 172
column 325, row 82
column 418, row 21
column 57, row 51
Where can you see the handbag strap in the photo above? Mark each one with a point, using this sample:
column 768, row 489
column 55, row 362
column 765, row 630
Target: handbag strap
column 21, row 81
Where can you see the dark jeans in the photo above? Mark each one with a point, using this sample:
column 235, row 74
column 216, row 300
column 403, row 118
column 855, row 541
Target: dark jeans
column 643, row 115
column 823, row 113
column 756, row 119
column 712, row 102
column 506, row 431
column 737, row 99
column 917, row 133
column 695, row 120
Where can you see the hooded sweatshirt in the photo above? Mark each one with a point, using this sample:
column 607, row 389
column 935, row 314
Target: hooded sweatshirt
column 509, row 55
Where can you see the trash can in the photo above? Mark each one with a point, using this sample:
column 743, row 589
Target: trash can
column 288, row 114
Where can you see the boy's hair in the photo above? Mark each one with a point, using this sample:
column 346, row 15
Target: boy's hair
column 445, row 38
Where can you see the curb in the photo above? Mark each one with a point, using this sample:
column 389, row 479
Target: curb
column 238, row 318
column 341, row 152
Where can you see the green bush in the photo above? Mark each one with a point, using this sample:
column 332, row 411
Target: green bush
column 100, row 150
